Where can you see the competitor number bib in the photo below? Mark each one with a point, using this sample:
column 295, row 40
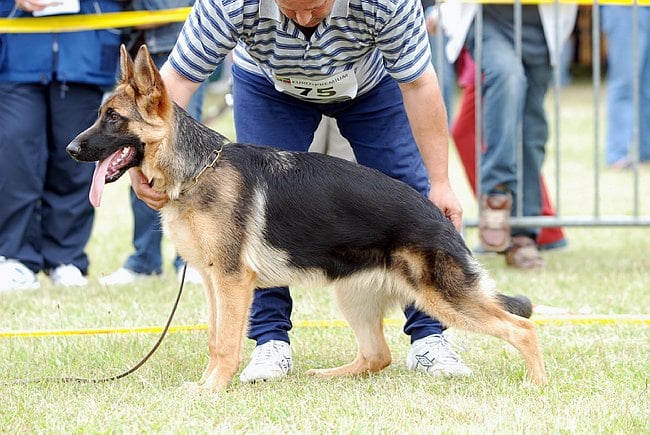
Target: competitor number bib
column 341, row 86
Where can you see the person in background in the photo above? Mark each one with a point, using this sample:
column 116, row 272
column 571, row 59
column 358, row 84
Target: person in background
column 514, row 88
column 618, row 25
column 463, row 131
column 146, row 261
column 51, row 86
column 365, row 63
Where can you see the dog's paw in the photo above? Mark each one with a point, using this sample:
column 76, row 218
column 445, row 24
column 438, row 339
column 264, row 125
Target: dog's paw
column 537, row 382
column 210, row 385
column 352, row 369
column 322, row 373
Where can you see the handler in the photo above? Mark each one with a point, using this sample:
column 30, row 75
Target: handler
column 365, row 63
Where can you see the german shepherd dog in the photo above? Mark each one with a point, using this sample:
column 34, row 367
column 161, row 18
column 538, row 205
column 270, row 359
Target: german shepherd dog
column 249, row 216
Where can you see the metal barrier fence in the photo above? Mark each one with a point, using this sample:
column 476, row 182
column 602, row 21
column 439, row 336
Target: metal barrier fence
column 597, row 216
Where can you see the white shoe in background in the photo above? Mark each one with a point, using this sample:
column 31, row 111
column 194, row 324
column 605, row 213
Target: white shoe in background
column 14, row 275
column 67, row 275
column 192, row 276
column 124, row 276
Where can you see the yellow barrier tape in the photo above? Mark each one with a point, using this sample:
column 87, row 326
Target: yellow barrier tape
column 622, row 319
column 110, row 20
column 76, row 23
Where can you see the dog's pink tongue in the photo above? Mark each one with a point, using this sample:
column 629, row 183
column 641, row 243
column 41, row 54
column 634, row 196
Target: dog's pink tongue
column 99, row 180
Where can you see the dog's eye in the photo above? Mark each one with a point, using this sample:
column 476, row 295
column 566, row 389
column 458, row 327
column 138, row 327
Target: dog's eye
column 112, row 116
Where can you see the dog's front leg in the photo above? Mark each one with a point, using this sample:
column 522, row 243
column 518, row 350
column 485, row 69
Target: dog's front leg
column 234, row 295
column 209, row 286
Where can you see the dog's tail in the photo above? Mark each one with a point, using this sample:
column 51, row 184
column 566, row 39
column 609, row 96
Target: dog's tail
column 519, row 305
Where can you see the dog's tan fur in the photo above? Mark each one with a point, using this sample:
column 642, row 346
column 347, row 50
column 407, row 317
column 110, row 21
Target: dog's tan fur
column 234, row 256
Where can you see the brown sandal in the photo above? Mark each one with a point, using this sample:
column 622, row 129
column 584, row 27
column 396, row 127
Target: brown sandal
column 494, row 222
column 524, row 254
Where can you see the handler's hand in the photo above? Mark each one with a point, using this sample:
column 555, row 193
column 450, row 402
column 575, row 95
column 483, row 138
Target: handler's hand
column 443, row 196
column 145, row 192
column 34, row 5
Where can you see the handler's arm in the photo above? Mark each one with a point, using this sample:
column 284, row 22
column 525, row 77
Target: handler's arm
column 178, row 86
column 181, row 91
column 428, row 119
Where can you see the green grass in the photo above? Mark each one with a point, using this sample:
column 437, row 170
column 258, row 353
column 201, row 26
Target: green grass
column 599, row 373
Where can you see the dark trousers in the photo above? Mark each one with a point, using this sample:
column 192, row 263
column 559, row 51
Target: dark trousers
column 45, row 215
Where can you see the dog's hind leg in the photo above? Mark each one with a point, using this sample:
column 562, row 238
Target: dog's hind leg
column 364, row 313
column 233, row 296
column 478, row 311
column 456, row 290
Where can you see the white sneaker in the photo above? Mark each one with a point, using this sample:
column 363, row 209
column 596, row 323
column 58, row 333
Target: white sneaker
column 124, row 276
column 270, row 360
column 192, row 276
column 14, row 275
column 434, row 356
column 67, row 275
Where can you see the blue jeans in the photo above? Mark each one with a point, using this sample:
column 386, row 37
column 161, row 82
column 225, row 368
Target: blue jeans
column 513, row 95
column 376, row 126
column 147, row 231
column 617, row 26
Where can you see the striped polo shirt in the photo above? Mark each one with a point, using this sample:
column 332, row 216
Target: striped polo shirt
column 367, row 38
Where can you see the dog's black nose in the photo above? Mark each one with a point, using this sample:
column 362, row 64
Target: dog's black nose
column 73, row 148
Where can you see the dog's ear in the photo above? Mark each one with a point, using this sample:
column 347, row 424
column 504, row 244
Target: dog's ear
column 148, row 83
column 126, row 64
column 147, row 74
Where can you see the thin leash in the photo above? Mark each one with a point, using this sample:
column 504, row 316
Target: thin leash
column 121, row 375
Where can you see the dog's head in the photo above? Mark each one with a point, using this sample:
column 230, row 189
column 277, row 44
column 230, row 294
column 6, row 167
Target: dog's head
column 134, row 116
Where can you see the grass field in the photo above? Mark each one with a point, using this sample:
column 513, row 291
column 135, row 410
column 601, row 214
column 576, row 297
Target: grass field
column 599, row 372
